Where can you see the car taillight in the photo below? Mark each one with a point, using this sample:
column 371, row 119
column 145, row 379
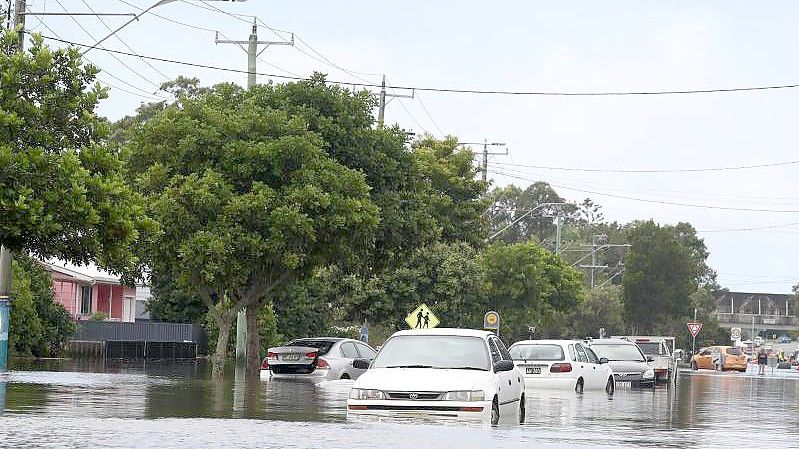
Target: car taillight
column 271, row 355
column 311, row 355
column 265, row 364
column 322, row 364
column 560, row 368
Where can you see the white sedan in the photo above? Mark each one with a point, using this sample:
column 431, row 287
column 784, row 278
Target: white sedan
column 451, row 372
column 567, row 364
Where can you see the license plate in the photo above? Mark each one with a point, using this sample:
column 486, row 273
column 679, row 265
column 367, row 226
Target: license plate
column 291, row 357
column 534, row 370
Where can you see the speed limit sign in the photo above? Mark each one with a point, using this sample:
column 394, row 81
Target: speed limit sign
column 735, row 333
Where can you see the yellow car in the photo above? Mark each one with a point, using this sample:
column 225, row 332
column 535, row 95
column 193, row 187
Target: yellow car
column 734, row 358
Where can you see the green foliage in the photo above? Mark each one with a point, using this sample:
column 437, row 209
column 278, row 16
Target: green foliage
column 512, row 203
column 98, row 316
column 39, row 326
column 661, row 273
column 527, row 285
column 61, row 190
column 602, row 307
column 172, row 304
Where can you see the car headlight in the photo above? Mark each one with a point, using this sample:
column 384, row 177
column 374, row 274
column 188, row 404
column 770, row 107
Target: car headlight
column 649, row 374
column 465, row 396
column 362, row 394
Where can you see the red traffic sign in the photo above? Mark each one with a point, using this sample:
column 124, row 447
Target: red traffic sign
column 694, row 328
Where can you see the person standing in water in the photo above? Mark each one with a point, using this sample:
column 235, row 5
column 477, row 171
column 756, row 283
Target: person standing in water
column 762, row 361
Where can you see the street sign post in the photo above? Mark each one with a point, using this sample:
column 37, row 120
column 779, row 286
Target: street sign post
column 422, row 318
column 491, row 321
column 694, row 328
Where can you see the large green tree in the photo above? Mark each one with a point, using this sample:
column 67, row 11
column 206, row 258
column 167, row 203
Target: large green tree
column 62, row 193
column 247, row 199
column 527, row 285
column 661, row 273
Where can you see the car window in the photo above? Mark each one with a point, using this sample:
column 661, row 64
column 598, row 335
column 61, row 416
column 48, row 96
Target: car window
column 496, row 356
column 435, row 351
column 733, row 351
column 581, row 353
column 348, row 350
column 618, row 351
column 543, row 352
column 571, row 352
column 591, row 356
column 365, row 351
column 322, row 346
column 650, row 348
column 502, row 349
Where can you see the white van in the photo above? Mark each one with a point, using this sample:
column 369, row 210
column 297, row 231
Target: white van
column 660, row 349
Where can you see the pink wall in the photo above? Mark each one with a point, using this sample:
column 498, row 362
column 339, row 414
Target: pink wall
column 116, row 301
column 65, row 294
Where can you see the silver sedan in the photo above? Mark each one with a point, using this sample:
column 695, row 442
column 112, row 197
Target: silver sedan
column 316, row 359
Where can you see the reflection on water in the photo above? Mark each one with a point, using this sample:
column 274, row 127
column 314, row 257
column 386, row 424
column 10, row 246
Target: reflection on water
column 171, row 405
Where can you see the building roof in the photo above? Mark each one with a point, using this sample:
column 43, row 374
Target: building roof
column 82, row 274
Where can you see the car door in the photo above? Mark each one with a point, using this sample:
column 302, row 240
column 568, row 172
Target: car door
column 504, row 386
column 601, row 372
column 364, row 352
column 517, row 383
column 703, row 359
column 349, row 353
column 587, row 369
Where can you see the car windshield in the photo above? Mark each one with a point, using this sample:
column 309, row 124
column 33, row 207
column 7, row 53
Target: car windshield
column 322, row 346
column 649, row 348
column 433, row 351
column 537, row 352
column 618, row 352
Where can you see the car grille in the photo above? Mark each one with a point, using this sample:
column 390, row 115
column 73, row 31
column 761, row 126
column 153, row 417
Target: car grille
column 414, row 396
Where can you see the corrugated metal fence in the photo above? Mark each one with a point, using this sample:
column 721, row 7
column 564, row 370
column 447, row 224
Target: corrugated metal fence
column 110, row 331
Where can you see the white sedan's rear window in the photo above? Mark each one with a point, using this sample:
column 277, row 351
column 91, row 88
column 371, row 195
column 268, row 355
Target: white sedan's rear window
column 537, row 352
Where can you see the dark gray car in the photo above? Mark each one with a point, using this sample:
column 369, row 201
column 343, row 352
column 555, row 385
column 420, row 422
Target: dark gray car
column 628, row 362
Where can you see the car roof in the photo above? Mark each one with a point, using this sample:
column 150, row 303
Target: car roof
column 546, row 342
column 444, row 331
column 610, row 341
column 331, row 339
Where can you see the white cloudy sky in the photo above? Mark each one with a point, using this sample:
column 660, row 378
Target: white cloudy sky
column 566, row 46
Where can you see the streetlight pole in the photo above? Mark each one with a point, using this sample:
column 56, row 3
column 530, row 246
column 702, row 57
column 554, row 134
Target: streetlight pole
column 521, row 218
column 136, row 17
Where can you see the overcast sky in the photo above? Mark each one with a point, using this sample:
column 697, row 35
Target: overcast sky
column 564, row 46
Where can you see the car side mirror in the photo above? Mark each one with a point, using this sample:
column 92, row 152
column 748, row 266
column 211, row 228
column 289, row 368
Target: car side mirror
column 503, row 365
column 649, row 358
column 603, row 360
column 361, row 364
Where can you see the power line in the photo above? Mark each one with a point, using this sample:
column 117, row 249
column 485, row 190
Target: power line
column 169, row 19
column 407, row 111
column 668, row 203
column 442, row 89
column 443, row 134
column 125, row 43
column 756, row 228
column 666, row 170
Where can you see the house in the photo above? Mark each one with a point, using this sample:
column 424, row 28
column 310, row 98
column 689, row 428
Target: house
column 84, row 292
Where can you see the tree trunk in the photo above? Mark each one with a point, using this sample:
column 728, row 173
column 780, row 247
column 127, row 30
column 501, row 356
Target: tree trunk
column 224, row 322
column 253, row 343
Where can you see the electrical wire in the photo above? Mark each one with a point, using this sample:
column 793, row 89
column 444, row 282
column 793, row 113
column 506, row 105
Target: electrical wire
column 407, row 111
column 146, row 94
column 443, row 134
column 756, row 228
column 436, row 89
column 650, row 171
column 652, row 201
column 168, row 19
column 166, row 77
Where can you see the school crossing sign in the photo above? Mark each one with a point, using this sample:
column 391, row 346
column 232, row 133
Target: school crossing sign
column 422, row 318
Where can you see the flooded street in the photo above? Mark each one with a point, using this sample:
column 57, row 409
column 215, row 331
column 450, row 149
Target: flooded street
column 69, row 404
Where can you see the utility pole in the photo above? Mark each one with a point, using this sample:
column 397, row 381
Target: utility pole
column 19, row 21
column 252, row 51
column 381, row 111
column 486, row 144
column 252, row 69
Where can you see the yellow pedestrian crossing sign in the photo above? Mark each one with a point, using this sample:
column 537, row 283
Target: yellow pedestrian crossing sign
column 422, row 318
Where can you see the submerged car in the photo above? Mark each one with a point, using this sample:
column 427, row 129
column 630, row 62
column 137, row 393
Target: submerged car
column 323, row 358
column 442, row 372
column 733, row 359
column 566, row 364
column 630, row 365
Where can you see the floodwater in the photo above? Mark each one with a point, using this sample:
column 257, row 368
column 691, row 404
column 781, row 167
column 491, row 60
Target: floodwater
column 176, row 405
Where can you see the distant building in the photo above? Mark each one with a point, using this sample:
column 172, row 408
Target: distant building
column 768, row 313
column 84, row 293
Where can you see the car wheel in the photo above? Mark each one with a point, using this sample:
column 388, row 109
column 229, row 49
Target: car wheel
column 522, row 410
column 579, row 387
column 345, row 376
column 495, row 412
column 694, row 366
column 610, row 388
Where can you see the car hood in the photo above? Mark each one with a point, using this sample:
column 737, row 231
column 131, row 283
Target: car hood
column 423, row 379
column 625, row 366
